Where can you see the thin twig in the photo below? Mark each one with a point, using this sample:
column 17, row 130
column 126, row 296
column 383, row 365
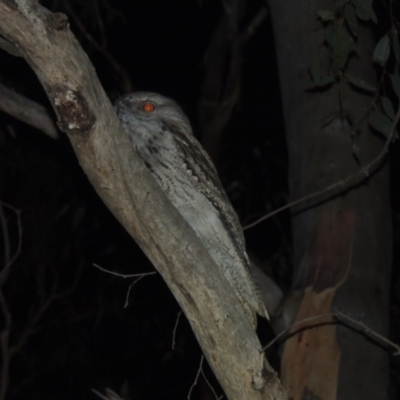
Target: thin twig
column 6, row 239
column 288, row 329
column 254, row 24
column 9, row 260
column 175, row 329
column 125, row 275
column 373, row 335
column 199, row 371
column 130, row 288
column 138, row 276
column 210, row 386
column 6, row 351
column 369, row 332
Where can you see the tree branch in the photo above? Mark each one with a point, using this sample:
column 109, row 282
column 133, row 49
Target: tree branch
column 28, row 111
column 84, row 112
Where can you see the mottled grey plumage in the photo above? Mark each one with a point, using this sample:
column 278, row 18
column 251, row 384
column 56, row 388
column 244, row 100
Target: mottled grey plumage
column 163, row 138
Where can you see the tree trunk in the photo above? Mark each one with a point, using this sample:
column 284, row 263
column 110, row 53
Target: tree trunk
column 342, row 245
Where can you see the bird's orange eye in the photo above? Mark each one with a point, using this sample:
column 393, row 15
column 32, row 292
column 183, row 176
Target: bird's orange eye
column 149, row 107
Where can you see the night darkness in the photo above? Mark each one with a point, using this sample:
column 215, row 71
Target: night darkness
column 79, row 336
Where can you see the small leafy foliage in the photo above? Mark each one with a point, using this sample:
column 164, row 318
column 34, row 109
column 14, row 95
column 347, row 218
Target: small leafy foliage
column 340, row 33
column 388, row 107
column 325, row 15
column 365, row 11
column 342, row 45
column 382, row 51
column 380, row 122
column 359, row 83
column 350, row 16
column 383, row 121
column 339, row 30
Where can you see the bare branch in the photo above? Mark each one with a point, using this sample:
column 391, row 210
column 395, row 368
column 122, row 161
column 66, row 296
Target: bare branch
column 27, row 111
column 302, row 322
column 124, row 275
column 197, row 377
column 84, row 112
column 340, row 316
column 369, row 332
column 210, row 386
column 175, row 329
column 129, row 290
column 8, row 259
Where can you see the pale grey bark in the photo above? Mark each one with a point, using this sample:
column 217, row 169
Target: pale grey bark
column 84, row 112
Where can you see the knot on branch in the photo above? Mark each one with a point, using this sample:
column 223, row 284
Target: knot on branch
column 74, row 114
column 57, row 21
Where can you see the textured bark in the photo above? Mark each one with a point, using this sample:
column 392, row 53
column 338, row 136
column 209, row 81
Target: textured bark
column 342, row 247
column 122, row 181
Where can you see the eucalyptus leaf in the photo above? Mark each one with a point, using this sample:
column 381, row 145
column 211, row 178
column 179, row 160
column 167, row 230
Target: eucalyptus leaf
column 381, row 123
column 361, row 14
column 321, row 82
column 388, row 107
column 365, row 11
column 325, row 80
column 360, row 83
column 382, row 51
column 350, row 17
column 325, row 15
column 342, row 46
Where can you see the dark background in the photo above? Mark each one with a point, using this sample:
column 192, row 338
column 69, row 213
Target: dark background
column 76, row 333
